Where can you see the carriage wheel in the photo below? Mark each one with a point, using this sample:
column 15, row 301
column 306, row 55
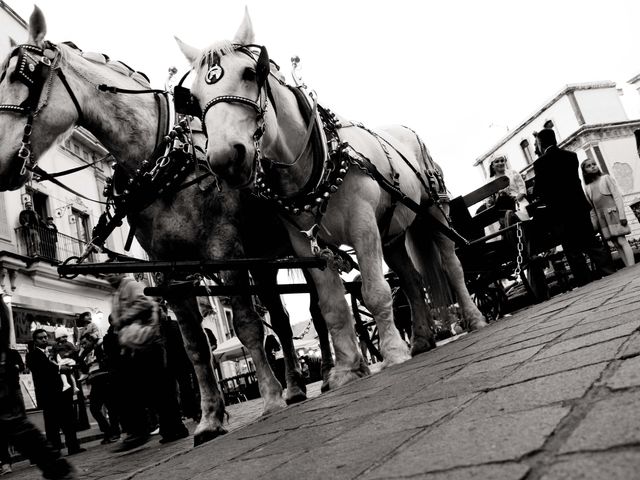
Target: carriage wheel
column 535, row 280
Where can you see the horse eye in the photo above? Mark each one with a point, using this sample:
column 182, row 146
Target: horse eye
column 249, row 74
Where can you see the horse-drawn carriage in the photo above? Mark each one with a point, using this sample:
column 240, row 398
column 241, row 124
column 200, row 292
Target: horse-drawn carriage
column 331, row 181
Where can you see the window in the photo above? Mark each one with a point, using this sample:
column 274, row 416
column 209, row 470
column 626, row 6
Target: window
column 5, row 231
column 40, row 203
column 526, row 150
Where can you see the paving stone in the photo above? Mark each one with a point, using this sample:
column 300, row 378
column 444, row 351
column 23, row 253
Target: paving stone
column 459, row 443
column 499, row 362
column 496, row 471
column 513, row 347
column 586, row 340
column 401, row 419
column 304, row 438
column 611, row 422
column 604, row 313
column 631, row 347
column 601, row 352
column 339, row 461
column 459, row 385
column 603, row 318
column 596, row 466
column 242, row 469
column 627, row 375
column 591, row 327
column 534, row 393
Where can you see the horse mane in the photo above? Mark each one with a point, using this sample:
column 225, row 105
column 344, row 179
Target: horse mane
column 217, row 49
column 115, row 65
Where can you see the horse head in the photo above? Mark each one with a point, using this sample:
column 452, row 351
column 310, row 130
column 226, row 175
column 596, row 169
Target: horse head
column 27, row 86
column 231, row 86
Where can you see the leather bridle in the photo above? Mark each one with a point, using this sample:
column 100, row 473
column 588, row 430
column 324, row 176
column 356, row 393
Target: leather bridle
column 35, row 68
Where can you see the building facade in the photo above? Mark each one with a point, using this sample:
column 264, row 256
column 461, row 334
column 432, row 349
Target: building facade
column 590, row 119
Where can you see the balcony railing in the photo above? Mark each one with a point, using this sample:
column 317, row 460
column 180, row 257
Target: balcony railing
column 54, row 246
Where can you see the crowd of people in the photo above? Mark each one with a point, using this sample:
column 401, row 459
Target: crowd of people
column 132, row 374
column 576, row 212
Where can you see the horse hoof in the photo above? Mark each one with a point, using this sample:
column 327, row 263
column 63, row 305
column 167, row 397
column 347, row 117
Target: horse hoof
column 422, row 347
column 207, row 435
column 477, row 324
column 325, row 387
column 297, row 398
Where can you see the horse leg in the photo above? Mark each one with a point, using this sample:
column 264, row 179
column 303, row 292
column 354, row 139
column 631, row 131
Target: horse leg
column 248, row 326
column 452, row 267
column 335, row 310
column 197, row 346
column 376, row 292
column 321, row 329
column 296, row 387
column 411, row 283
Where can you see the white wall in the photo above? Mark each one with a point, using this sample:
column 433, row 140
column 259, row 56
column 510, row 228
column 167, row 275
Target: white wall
column 600, row 105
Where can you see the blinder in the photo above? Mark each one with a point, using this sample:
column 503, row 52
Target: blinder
column 32, row 70
column 263, row 68
column 184, row 102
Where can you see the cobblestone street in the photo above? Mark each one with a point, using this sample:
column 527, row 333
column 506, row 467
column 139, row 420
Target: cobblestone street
column 551, row 392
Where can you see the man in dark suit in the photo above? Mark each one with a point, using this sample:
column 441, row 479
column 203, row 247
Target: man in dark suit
column 56, row 404
column 557, row 185
column 13, row 419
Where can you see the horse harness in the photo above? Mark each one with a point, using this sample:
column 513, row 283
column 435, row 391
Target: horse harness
column 126, row 192
column 332, row 158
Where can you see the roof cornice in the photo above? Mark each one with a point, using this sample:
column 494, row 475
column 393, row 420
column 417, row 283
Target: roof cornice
column 567, row 89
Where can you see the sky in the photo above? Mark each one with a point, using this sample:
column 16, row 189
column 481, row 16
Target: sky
column 461, row 73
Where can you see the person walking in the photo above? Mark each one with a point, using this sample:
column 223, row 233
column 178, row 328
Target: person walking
column 608, row 215
column 19, row 431
column 558, row 186
column 56, row 404
column 146, row 381
column 93, row 364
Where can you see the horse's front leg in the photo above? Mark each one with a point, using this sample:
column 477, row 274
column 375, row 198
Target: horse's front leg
column 411, row 283
column 296, row 387
column 321, row 329
column 197, row 346
column 349, row 363
column 376, row 292
column 248, row 326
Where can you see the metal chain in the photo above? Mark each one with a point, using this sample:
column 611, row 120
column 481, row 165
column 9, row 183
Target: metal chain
column 519, row 258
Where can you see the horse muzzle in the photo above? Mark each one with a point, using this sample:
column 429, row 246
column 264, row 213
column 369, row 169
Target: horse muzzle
column 235, row 167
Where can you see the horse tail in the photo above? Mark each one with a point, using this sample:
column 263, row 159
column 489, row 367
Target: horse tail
column 425, row 255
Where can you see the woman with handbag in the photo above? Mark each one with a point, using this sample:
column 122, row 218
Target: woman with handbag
column 608, row 215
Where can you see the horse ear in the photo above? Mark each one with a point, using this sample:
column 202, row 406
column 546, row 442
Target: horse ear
column 37, row 27
column 12, row 43
column 190, row 52
column 245, row 35
column 263, row 67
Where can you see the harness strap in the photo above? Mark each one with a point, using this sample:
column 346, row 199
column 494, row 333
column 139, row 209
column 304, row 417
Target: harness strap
column 46, row 176
column 63, row 79
column 77, row 169
column 370, row 169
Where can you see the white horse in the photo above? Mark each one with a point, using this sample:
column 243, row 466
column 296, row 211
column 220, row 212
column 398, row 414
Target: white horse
column 181, row 227
column 256, row 126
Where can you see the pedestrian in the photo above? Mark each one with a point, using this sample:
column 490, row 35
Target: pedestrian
column 86, row 324
column 94, row 365
column 50, row 239
column 15, row 365
column 64, row 353
column 557, row 185
column 275, row 357
column 513, row 196
column 145, row 379
column 21, row 433
column 607, row 215
column 56, row 404
column 30, row 222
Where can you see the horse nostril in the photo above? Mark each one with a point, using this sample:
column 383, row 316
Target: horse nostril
column 241, row 152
